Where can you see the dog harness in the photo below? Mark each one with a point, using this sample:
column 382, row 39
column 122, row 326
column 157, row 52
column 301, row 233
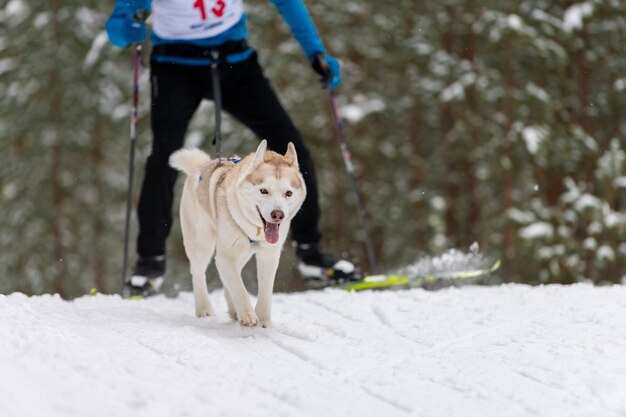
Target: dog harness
column 234, row 159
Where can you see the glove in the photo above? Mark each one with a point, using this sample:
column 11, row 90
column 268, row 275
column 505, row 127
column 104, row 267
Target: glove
column 328, row 68
column 124, row 29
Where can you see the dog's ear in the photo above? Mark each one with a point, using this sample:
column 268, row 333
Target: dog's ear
column 291, row 155
column 260, row 153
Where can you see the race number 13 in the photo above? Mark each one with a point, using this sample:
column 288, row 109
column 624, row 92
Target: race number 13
column 217, row 10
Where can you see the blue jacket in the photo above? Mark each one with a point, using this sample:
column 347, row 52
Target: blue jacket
column 293, row 12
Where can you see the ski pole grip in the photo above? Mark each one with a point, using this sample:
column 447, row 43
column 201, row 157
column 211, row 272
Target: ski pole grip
column 320, row 65
column 140, row 16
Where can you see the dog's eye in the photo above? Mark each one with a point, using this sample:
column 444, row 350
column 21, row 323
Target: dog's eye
column 264, row 191
column 288, row 194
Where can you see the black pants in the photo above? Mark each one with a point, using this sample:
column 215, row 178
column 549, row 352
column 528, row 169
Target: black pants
column 177, row 91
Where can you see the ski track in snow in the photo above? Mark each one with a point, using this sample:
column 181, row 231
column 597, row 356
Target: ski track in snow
column 511, row 350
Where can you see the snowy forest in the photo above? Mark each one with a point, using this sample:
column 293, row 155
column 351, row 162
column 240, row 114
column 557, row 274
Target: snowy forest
column 495, row 122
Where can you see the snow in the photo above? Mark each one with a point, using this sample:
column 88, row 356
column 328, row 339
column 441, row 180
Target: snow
column 520, row 216
column 533, row 136
column 14, row 10
column 619, row 84
column 541, row 95
column 99, row 42
column 450, row 261
column 606, row 252
column 7, row 64
column 509, row 350
column 620, row 182
column 537, row 230
column 455, row 91
column 587, row 202
column 515, row 22
column 361, row 108
column 575, row 14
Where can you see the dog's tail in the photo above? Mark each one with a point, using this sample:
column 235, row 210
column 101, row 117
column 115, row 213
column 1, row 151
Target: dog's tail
column 188, row 160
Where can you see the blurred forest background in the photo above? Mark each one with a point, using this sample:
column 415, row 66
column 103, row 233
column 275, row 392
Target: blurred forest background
column 497, row 122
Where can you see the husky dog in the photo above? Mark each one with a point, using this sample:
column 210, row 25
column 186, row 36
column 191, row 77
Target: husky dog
column 235, row 210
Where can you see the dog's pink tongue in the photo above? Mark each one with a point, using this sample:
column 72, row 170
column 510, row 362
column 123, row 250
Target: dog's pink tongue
column 271, row 232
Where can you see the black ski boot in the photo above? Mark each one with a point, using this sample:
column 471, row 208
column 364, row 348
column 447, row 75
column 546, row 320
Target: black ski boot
column 147, row 278
column 319, row 269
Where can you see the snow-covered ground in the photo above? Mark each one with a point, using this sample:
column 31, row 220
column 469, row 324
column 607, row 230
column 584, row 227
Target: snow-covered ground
column 510, row 350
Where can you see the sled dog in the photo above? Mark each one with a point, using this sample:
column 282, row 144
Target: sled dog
column 234, row 210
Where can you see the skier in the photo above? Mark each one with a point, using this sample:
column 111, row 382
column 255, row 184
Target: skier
column 187, row 37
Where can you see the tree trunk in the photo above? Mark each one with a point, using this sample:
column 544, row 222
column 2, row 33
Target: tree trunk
column 55, row 118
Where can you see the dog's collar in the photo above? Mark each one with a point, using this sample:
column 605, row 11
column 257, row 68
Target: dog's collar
column 252, row 241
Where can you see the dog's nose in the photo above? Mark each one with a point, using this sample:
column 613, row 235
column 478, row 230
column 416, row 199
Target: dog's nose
column 277, row 215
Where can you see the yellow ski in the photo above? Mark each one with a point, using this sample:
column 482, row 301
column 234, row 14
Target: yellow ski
column 389, row 281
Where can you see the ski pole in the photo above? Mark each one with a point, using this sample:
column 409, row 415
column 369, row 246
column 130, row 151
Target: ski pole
column 347, row 160
column 131, row 162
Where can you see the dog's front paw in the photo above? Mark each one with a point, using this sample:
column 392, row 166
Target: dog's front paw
column 248, row 318
column 264, row 314
column 203, row 304
column 204, row 311
column 232, row 314
column 266, row 324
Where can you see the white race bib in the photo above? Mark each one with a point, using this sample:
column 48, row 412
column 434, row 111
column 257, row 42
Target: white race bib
column 194, row 19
